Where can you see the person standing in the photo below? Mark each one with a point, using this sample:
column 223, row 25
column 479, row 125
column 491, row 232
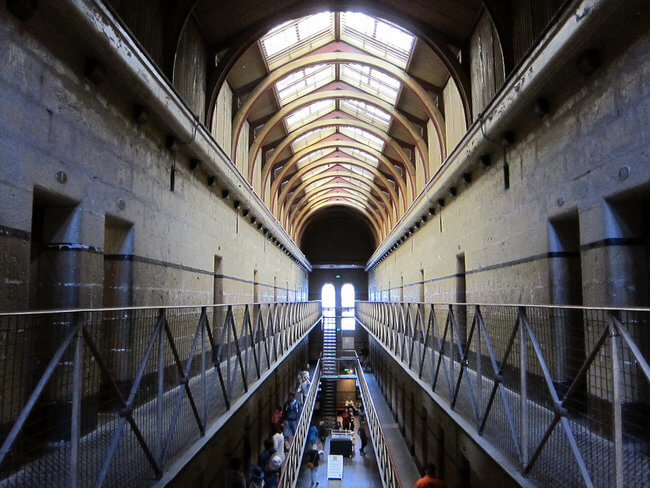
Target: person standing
column 363, row 437
column 278, row 443
column 303, row 389
column 257, row 477
column 270, row 463
column 277, row 423
column 312, row 457
column 291, row 414
column 345, row 419
column 429, row 479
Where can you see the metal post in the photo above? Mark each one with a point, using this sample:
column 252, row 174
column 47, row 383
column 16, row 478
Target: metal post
column 75, row 425
column 617, row 400
column 524, row 390
column 160, row 435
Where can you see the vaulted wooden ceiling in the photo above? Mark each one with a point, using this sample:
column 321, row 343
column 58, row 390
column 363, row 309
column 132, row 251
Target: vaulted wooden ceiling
column 337, row 104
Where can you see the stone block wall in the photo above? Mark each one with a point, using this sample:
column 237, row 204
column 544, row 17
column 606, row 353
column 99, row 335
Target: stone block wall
column 87, row 201
column 585, row 163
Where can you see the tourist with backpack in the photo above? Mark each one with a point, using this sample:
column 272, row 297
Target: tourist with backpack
column 291, row 414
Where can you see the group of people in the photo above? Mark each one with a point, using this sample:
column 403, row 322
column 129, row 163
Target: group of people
column 284, row 423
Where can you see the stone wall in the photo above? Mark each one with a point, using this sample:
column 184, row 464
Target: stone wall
column 576, row 195
column 91, row 200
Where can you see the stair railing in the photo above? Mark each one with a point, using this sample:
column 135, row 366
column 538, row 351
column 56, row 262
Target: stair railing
column 291, row 467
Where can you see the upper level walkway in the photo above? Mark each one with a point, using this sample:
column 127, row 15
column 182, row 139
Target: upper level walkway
column 127, row 397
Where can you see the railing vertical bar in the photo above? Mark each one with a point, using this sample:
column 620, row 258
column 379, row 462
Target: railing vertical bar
column 160, row 391
column 617, row 411
column 523, row 391
column 75, row 427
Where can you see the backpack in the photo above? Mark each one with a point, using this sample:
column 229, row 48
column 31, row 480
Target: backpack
column 292, row 410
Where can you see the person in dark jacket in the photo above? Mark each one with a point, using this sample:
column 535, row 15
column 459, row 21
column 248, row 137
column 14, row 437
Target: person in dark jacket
column 311, row 458
column 363, row 437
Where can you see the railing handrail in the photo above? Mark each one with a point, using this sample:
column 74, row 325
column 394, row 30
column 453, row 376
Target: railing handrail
column 367, row 401
column 510, row 375
column 512, row 305
column 291, row 466
column 146, row 307
column 149, row 375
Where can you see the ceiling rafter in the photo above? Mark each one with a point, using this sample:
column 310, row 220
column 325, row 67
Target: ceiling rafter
column 325, row 174
column 438, row 41
column 348, row 187
column 391, row 142
column 323, row 162
column 301, row 218
column 406, row 80
column 343, row 143
column 333, row 95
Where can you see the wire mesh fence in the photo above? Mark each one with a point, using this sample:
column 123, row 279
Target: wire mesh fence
column 562, row 392
column 110, row 397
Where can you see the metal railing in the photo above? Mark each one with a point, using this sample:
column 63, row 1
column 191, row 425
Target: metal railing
column 293, row 460
column 560, row 395
column 109, row 397
column 387, row 469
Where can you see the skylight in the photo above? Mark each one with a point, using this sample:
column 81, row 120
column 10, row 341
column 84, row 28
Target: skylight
column 301, row 82
column 297, row 37
column 367, row 113
column 371, row 80
column 361, row 155
column 311, row 137
column 317, row 183
column 308, row 113
column 314, row 156
column 316, row 170
column 364, row 137
column 377, row 37
column 360, row 171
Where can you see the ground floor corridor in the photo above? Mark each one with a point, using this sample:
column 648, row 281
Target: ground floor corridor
column 362, row 471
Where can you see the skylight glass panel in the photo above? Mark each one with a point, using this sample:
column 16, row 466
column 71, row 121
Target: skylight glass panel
column 377, row 37
column 361, row 155
column 301, row 82
column 297, row 37
column 316, row 171
column 367, row 113
column 310, row 112
column 317, row 184
column 311, row 137
column 364, row 137
column 314, row 156
column 360, row 171
column 371, row 80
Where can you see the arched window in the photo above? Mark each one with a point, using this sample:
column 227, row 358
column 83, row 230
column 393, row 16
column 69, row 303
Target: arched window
column 347, row 306
column 328, row 302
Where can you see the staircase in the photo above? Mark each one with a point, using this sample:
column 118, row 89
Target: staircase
column 329, row 378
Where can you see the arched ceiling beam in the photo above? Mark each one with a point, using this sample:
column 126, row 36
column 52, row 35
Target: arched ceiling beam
column 360, row 192
column 437, row 41
column 326, row 201
column 382, row 223
column 347, row 122
column 407, row 81
column 335, row 144
column 336, row 95
column 297, row 232
column 323, row 162
column 387, row 214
